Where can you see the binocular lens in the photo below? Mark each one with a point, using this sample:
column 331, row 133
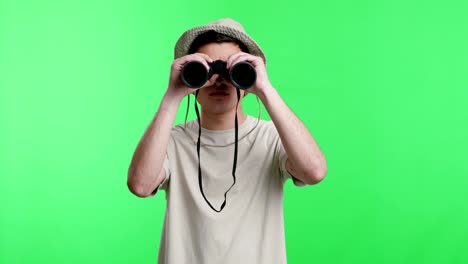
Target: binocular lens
column 194, row 74
column 243, row 75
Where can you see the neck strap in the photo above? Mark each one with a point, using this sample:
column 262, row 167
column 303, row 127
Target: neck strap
column 235, row 152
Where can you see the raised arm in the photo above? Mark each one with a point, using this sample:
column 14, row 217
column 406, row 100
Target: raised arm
column 146, row 168
column 305, row 160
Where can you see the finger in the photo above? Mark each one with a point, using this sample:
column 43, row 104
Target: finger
column 241, row 58
column 254, row 60
column 211, row 81
column 233, row 58
column 203, row 58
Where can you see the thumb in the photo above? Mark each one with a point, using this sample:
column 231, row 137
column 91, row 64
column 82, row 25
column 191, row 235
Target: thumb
column 212, row 80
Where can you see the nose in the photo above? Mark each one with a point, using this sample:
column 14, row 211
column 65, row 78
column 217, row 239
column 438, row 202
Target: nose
column 220, row 79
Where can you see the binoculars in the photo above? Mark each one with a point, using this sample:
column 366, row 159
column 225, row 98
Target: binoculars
column 242, row 74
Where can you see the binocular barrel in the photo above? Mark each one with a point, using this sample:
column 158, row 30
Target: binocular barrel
column 242, row 74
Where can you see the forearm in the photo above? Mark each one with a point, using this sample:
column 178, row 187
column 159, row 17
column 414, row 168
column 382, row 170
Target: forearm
column 148, row 158
column 303, row 152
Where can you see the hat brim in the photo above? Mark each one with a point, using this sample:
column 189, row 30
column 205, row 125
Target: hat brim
column 185, row 41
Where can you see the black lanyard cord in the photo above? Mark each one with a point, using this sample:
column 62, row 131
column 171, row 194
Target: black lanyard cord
column 235, row 152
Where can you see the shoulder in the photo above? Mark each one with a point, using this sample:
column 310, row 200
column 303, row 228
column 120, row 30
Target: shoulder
column 267, row 128
column 183, row 132
column 265, row 131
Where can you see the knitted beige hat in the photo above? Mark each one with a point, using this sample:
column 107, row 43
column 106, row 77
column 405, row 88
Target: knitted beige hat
column 224, row 26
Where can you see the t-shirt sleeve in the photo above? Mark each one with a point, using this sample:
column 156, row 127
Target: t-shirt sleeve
column 282, row 157
column 164, row 184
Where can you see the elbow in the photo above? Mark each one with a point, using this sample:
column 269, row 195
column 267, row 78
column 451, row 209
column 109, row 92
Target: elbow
column 316, row 174
column 137, row 188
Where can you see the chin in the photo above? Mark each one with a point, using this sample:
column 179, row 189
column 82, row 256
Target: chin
column 224, row 106
column 219, row 109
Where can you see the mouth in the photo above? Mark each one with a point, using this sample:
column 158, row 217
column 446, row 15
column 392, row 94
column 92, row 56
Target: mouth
column 221, row 90
column 219, row 93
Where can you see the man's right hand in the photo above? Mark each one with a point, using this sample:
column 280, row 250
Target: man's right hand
column 176, row 86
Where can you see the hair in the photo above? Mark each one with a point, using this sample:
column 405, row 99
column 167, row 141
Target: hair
column 212, row 36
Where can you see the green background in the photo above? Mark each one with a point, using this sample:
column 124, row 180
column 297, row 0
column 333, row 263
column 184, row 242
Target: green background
column 382, row 86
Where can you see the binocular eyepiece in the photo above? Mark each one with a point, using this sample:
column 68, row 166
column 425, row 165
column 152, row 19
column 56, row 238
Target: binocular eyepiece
column 242, row 74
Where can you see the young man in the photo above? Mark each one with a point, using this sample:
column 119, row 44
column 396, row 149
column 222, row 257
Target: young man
column 219, row 211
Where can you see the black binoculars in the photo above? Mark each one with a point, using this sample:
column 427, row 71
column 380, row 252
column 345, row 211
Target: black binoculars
column 242, row 74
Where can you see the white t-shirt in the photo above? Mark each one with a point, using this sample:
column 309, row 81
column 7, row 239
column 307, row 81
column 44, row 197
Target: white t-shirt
column 250, row 228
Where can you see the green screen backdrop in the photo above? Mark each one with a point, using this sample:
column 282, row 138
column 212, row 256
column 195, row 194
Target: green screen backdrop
column 381, row 85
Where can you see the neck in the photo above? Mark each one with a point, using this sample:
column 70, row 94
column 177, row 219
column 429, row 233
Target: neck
column 223, row 121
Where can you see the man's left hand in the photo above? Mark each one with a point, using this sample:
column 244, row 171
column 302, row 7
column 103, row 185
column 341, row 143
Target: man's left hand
column 262, row 83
